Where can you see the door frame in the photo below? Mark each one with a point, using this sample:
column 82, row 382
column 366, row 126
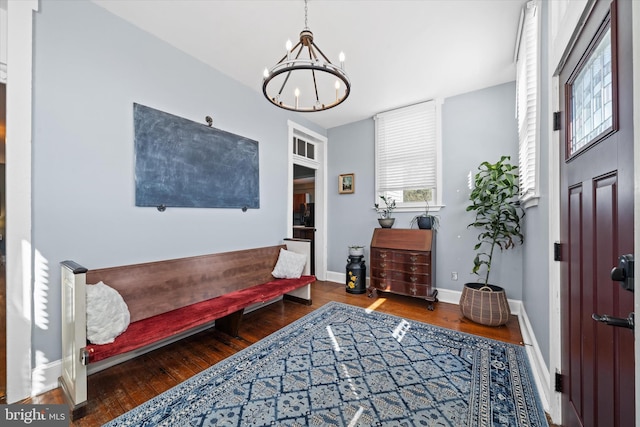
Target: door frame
column 320, row 199
column 636, row 157
column 566, row 19
column 19, row 266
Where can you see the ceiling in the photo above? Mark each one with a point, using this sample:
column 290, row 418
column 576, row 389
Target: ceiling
column 398, row 52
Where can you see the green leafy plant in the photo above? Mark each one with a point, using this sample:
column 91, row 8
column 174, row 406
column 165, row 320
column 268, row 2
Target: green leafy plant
column 435, row 221
column 389, row 206
column 494, row 200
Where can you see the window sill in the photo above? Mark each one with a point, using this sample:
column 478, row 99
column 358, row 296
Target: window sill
column 432, row 208
column 529, row 201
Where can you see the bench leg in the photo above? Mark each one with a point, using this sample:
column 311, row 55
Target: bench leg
column 230, row 324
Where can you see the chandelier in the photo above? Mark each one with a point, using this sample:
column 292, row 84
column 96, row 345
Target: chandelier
column 304, row 79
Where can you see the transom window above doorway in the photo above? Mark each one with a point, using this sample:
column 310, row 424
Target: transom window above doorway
column 304, row 148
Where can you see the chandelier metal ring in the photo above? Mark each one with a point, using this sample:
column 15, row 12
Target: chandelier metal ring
column 316, row 72
column 305, row 64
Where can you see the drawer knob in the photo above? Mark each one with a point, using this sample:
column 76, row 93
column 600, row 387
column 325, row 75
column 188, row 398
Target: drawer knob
column 383, row 274
column 413, row 279
column 413, row 268
column 413, row 258
column 383, row 264
column 383, row 255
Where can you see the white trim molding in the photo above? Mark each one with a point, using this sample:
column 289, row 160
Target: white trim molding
column 20, row 253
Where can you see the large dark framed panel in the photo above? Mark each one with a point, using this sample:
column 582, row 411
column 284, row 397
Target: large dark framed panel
column 182, row 163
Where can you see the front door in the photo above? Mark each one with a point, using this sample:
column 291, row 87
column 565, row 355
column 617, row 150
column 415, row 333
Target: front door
column 597, row 219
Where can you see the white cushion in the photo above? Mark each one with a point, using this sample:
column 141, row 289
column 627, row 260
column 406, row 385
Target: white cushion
column 290, row 265
column 107, row 314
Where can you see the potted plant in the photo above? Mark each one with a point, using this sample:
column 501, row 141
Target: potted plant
column 494, row 199
column 385, row 220
column 425, row 221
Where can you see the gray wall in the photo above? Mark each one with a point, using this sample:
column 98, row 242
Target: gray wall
column 476, row 126
column 537, row 246
column 90, row 67
column 351, row 217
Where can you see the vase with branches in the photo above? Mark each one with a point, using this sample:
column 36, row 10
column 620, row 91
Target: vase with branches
column 384, row 212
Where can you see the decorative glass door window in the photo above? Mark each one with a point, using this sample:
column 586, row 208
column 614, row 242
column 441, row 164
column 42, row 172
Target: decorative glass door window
column 591, row 97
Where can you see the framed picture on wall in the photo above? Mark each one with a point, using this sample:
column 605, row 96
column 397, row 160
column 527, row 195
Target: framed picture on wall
column 346, row 183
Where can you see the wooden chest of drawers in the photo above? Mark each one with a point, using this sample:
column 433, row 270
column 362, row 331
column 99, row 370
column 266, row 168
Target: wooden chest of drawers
column 403, row 262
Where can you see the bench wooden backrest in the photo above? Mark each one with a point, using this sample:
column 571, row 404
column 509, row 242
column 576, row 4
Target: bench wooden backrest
column 157, row 287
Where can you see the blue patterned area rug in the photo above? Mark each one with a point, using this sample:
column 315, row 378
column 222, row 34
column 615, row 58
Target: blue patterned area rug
column 344, row 366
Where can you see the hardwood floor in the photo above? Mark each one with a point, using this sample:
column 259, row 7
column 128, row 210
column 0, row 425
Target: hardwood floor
column 116, row 390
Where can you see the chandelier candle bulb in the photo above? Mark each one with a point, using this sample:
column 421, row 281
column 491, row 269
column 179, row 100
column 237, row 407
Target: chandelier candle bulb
column 288, row 46
column 341, row 57
column 337, row 90
column 297, row 94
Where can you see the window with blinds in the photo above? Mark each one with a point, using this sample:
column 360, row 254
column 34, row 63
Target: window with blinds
column 408, row 155
column 527, row 102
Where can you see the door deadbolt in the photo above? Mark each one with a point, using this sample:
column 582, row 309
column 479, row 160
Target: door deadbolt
column 623, row 273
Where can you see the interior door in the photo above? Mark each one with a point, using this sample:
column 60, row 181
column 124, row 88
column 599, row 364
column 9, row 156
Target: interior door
column 597, row 219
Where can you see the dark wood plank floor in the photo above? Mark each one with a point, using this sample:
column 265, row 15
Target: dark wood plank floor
column 116, row 390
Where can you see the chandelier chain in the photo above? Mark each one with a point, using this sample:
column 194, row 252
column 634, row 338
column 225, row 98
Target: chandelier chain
column 306, row 23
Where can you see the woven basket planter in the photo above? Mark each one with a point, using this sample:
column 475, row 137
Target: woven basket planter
column 484, row 304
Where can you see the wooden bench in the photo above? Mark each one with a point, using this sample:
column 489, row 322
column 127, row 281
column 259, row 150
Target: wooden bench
column 169, row 300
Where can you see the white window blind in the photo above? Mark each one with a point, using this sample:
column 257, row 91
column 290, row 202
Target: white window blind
column 527, row 102
column 407, row 149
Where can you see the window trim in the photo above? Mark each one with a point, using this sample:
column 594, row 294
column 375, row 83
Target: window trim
column 527, row 58
column 436, row 205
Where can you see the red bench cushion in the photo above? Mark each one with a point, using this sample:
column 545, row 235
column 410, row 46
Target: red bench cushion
column 162, row 326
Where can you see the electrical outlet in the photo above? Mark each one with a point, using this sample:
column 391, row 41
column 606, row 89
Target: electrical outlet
column 454, row 275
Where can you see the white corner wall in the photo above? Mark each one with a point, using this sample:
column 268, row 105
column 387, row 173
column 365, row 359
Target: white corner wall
column 18, row 181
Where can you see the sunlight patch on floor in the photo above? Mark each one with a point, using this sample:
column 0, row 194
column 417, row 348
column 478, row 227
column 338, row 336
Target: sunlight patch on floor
column 377, row 303
column 356, row 416
column 334, row 341
column 401, row 330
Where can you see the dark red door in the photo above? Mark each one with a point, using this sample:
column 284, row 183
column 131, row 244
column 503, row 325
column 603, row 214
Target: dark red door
column 597, row 219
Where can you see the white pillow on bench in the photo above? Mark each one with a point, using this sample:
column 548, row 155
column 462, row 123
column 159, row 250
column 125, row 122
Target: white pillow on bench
column 290, row 265
column 107, row 314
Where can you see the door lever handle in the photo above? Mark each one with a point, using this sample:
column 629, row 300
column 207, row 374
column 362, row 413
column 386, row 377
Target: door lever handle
column 629, row 322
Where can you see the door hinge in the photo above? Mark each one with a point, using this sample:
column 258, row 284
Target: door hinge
column 558, row 384
column 556, row 120
column 557, row 251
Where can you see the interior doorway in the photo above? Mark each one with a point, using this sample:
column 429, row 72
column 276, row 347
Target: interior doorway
column 304, row 189
column 307, row 157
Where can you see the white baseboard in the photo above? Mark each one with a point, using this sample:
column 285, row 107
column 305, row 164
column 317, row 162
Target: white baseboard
column 332, row 276
column 444, row 295
column 541, row 373
column 45, row 377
